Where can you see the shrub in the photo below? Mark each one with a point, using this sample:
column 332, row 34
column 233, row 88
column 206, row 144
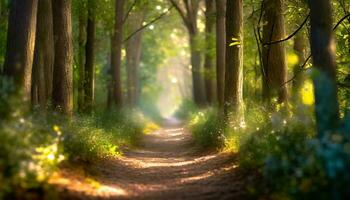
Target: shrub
column 29, row 153
column 101, row 135
column 33, row 146
column 207, row 129
column 297, row 164
column 186, row 109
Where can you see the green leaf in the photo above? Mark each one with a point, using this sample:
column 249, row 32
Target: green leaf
column 234, row 44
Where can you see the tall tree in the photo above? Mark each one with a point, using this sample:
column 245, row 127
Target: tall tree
column 81, row 54
column 234, row 60
column 188, row 11
column 323, row 56
column 220, row 50
column 43, row 55
column 20, row 44
column 133, row 58
column 116, row 49
column 89, row 75
column 209, row 57
column 62, row 97
column 274, row 55
column 300, row 50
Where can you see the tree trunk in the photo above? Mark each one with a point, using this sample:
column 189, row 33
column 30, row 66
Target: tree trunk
column 117, row 53
column 133, row 59
column 234, row 61
column 209, row 57
column 43, row 55
column 299, row 77
column 20, row 45
column 189, row 14
column 323, row 55
column 89, row 78
column 220, row 51
column 274, row 55
column 81, row 59
column 62, row 97
column 197, row 78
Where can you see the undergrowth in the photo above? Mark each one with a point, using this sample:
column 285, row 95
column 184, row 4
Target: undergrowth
column 207, row 129
column 33, row 146
column 283, row 146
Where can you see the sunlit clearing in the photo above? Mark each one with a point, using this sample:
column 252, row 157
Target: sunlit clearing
column 307, row 93
column 175, row 80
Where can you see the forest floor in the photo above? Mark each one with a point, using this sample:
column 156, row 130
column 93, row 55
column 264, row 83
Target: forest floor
column 165, row 165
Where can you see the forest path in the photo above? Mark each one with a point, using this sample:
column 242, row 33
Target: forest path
column 164, row 166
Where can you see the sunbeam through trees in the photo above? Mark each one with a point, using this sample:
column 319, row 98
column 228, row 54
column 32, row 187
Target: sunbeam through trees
column 174, row 99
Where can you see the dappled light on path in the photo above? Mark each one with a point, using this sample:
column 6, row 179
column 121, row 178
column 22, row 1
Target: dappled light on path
column 166, row 165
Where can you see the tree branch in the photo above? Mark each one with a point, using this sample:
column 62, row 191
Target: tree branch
column 302, row 67
column 148, row 24
column 340, row 21
column 290, row 36
column 129, row 11
column 181, row 12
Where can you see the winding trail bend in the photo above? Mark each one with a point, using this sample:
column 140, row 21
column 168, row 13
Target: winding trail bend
column 165, row 166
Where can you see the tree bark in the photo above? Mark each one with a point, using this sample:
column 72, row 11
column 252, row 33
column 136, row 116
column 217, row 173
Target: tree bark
column 299, row 77
column 133, row 59
column 43, row 56
column 189, row 15
column 234, row 61
column 62, row 97
column 197, row 78
column 274, row 55
column 323, row 55
column 209, row 57
column 220, row 51
column 20, row 45
column 89, row 78
column 81, row 59
column 117, row 54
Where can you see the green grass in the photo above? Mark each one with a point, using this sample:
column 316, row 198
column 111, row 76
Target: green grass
column 33, row 146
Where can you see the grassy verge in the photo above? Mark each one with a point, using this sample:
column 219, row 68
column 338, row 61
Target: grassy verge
column 32, row 147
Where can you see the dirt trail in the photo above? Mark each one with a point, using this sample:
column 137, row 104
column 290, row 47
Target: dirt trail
column 165, row 166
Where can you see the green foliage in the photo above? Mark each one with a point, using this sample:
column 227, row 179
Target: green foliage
column 150, row 109
column 33, row 146
column 207, row 129
column 88, row 138
column 6, row 88
column 186, row 109
column 284, row 148
column 29, row 153
column 309, row 168
column 297, row 164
